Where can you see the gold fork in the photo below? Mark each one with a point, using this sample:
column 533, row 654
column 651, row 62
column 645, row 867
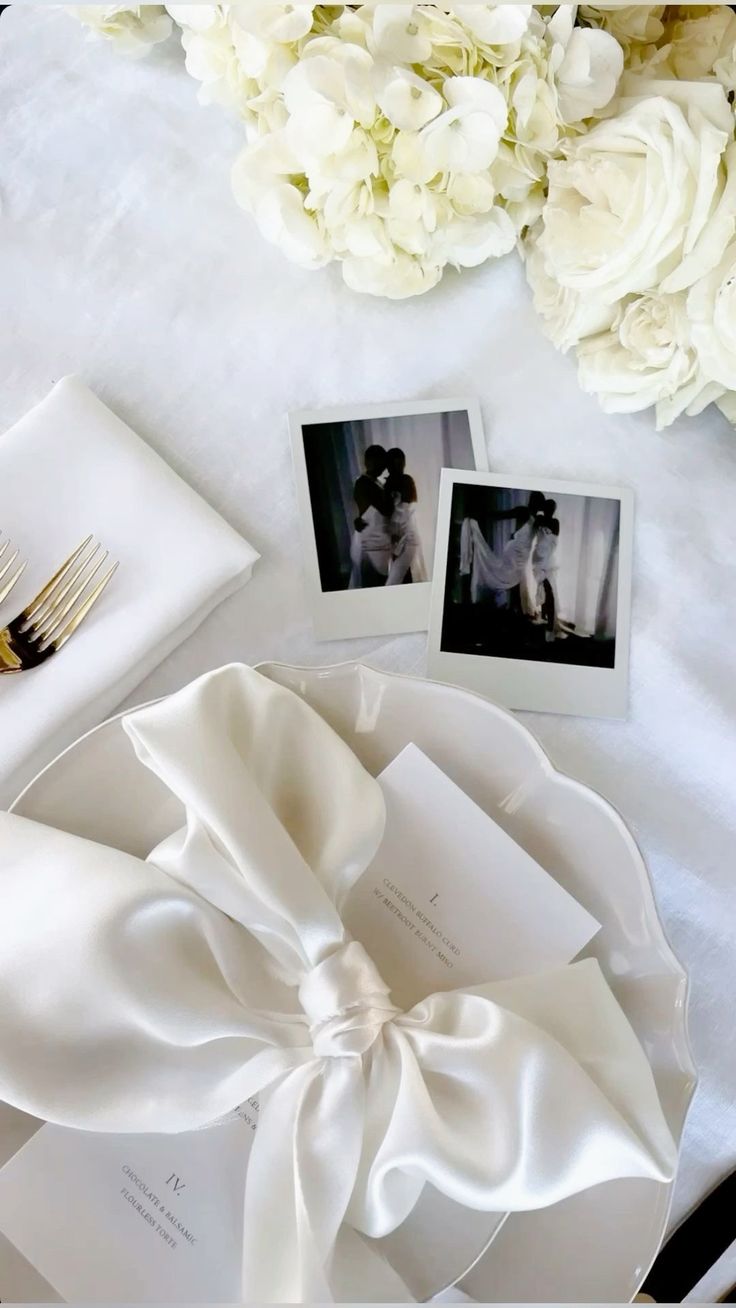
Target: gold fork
column 58, row 609
column 6, row 567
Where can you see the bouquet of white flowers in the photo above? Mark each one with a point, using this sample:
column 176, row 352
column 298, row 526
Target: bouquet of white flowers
column 399, row 138
column 633, row 261
column 393, row 138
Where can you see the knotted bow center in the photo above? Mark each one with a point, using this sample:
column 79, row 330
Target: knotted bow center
column 347, row 1002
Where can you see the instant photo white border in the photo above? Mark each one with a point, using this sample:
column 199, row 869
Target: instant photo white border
column 375, row 611
column 525, row 683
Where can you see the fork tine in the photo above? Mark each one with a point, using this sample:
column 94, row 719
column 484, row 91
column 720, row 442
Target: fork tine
column 16, row 576
column 82, row 612
column 10, row 561
column 45, row 593
column 8, row 574
column 45, row 627
column 53, row 607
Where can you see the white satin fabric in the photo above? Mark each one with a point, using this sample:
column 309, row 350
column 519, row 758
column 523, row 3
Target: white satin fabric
column 489, row 571
column 178, row 561
column 157, row 996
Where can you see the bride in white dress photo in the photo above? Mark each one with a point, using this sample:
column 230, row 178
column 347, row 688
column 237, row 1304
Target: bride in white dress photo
column 491, row 572
column 531, row 577
column 386, row 548
column 368, row 489
column 407, row 562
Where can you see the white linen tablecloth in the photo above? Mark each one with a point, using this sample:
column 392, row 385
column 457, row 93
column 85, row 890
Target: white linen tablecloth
column 124, row 258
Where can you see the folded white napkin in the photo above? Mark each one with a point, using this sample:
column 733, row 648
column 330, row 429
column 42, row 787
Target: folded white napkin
column 159, row 995
column 68, row 468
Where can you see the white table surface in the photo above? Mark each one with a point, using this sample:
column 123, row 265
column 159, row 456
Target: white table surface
column 123, row 257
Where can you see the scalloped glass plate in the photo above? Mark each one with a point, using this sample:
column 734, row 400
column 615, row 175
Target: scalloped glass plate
column 597, row 1246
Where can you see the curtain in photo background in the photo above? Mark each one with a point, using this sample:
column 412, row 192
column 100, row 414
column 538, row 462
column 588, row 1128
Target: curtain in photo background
column 587, row 554
column 334, row 453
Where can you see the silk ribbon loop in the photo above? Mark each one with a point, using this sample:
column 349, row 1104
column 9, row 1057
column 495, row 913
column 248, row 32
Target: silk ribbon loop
column 158, row 995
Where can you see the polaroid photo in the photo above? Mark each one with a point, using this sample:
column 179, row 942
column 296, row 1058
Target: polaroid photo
column 532, row 592
column 368, row 480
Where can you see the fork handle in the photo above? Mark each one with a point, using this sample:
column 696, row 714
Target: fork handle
column 9, row 661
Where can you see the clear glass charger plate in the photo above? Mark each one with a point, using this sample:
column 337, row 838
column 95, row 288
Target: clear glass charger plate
column 597, row 1246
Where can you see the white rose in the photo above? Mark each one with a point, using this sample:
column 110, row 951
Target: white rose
column 711, row 307
column 566, row 316
column 645, row 198
column 703, row 46
column 133, row 28
column 630, row 24
column 727, row 404
column 645, row 358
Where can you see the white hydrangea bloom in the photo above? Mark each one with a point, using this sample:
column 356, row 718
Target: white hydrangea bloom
column 212, row 59
column 499, row 24
column 273, row 22
column 396, row 138
column 396, row 278
column 587, row 64
column 195, row 16
column 133, row 28
column 407, row 101
column 414, row 133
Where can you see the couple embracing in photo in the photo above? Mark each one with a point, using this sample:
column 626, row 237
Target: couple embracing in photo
column 386, row 548
column 527, row 567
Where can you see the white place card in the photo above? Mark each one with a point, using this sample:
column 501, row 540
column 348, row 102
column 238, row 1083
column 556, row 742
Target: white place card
column 449, row 901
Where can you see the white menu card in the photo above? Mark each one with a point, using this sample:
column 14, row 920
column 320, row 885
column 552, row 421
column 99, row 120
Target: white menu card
column 450, row 901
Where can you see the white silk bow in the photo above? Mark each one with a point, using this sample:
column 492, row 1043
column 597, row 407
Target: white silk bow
column 160, row 995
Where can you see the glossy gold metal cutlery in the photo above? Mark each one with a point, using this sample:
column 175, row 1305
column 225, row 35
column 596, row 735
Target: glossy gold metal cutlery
column 51, row 619
column 10, row 569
